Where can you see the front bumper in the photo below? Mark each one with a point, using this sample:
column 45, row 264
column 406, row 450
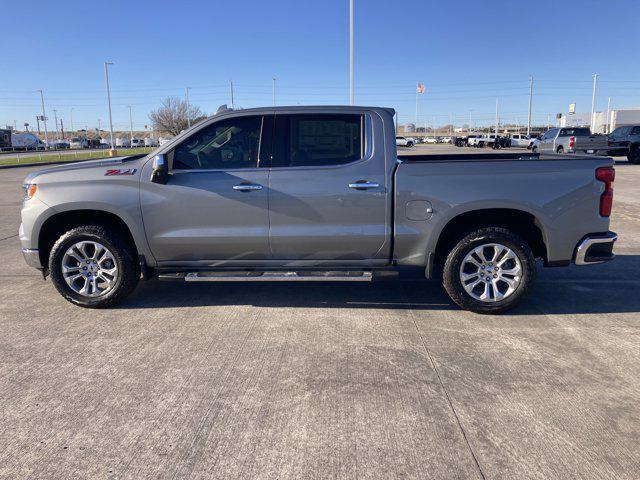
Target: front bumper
column 595, row 248
column 32, row 257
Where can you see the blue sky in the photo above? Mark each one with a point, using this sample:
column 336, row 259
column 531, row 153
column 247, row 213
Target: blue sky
column 466, row 53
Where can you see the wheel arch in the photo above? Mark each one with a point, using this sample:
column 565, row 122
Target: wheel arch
column 61, row 222
column 523, row 223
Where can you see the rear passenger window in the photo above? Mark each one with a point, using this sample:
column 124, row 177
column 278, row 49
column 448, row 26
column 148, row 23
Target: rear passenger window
column 635, row 131
column 317, row 140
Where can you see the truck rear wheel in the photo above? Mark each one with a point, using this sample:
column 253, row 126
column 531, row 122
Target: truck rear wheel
column 490, row 270
column 634, row 155
column 93, row 267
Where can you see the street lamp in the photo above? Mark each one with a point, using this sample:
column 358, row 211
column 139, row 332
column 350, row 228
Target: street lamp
column 112, row 151
column 44, row 119
column 130, row 127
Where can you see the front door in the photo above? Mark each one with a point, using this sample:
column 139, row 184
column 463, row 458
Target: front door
column 328, row 197
column 214, row 208
column 547, row 140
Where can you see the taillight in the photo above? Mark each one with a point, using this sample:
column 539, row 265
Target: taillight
column 606, row 175
column 572, row 142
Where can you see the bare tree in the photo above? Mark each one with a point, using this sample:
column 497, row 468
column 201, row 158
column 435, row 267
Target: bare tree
column 172, row 116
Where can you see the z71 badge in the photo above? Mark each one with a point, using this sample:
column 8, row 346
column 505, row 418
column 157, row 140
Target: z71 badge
column 120, row 171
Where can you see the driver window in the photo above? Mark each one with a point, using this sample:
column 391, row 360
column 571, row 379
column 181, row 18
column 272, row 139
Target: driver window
column 225, row 145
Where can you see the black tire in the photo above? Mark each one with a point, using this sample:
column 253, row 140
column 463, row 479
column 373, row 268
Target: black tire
column 560, row 150
column 534, row 149
column 451, row 272
column 123, row 253
column 634, row 155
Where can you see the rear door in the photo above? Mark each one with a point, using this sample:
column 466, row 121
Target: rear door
column 328, row 196
column 214, row 208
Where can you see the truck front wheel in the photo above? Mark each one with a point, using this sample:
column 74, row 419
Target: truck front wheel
column 634, row 155
column 93, row 267
column 490, row 270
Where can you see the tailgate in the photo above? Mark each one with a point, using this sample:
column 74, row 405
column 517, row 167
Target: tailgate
column 593, row 142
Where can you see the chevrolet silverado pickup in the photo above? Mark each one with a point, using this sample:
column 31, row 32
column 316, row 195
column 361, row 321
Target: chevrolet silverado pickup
column 314, row 194
column 571, row 140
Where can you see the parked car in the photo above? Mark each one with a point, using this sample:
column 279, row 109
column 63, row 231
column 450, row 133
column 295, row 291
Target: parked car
column 520, row 140
column 313, row 193
column 571, row 140
column 58, row 144
column 482, row 141
column 123, row 142
column 404, row 142
column 150, row 142
column 446, row 139
column 136, row 142
column 625, row 141
column 464, row 140
column 430, row 140
column 78, row 142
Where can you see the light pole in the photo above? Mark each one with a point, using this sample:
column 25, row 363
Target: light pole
column 130, row 127
column 608, row 121
column 593, row 103
column 351, row 85
column 71, row 118
column 44, row 119
column 273, row 90
column 186, row 91
column 55, row 119
column 530, row 99
column 112, row 150
column 231, row 88
column 470, row 110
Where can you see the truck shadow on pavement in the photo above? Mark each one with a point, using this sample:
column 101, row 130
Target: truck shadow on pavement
column 607, row 288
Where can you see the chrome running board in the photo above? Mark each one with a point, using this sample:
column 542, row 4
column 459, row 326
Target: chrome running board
column 273, row 276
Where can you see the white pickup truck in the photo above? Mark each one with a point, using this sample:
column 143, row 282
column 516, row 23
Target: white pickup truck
column 483, row 141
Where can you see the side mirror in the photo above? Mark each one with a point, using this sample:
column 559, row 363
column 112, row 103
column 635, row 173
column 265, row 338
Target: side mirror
column 160, row 172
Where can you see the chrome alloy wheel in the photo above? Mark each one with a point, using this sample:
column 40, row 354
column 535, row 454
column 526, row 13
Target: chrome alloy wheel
column 491, row 272
column 89, row 268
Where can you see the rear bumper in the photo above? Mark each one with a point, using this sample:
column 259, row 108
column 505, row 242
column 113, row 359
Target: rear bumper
column 595, row 248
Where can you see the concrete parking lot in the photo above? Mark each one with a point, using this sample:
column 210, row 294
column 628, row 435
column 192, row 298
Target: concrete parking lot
column 388, row 380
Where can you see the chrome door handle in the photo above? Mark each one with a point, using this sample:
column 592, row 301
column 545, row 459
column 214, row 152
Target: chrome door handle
column 247, row 187
column 364, row 185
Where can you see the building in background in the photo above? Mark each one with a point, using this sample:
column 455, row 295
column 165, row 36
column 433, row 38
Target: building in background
column 617, row 118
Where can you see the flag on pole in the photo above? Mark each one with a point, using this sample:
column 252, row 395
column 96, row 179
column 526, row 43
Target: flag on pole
column 420, row 88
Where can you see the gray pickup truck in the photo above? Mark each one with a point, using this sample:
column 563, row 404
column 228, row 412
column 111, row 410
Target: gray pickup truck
column 315, row 194
column 571, row 140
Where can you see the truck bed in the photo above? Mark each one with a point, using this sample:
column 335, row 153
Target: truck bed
column 560, row 191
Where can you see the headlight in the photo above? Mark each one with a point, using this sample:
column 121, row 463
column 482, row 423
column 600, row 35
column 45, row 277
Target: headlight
column 29, row 190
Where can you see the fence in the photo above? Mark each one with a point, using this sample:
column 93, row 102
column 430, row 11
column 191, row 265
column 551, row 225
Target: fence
column 50, row 156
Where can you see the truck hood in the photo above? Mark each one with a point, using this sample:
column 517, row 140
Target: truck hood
column 90, row 166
